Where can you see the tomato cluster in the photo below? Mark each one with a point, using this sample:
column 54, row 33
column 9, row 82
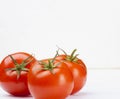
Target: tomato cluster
column 21, row 74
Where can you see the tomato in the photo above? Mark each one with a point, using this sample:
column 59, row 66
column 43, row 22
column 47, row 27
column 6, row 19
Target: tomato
column 50, row 80
column 78, row 69
column 13, row 73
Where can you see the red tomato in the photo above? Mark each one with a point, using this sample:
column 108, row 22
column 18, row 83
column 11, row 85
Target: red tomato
column 78, row 69
column 13, row 73
column 50, row 80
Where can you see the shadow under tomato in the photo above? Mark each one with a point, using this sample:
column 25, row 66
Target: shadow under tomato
column 80, row 95
column 16, row 97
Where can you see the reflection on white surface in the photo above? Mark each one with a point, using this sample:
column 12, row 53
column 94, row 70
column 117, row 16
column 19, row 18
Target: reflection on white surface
column 101, row 84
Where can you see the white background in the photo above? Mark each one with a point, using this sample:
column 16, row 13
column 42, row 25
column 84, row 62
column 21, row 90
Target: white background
column 91, row 26
column 37, row 26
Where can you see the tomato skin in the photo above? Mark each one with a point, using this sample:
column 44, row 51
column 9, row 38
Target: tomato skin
column 8, row 78
column 79, row 72
column 44, row 84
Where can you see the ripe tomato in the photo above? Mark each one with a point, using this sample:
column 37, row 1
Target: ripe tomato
column 13, row 73
column 78, row 69
column 50, row 80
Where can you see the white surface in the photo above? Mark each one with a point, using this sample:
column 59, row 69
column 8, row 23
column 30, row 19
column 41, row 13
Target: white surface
column 37, row 26
column 101, row 84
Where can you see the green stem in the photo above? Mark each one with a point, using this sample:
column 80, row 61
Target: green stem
column 20, row 67
column 72, row 57
column 50, row 65
column 55, row 56
column 72, row 54
column 62, row 50
column 14, row 61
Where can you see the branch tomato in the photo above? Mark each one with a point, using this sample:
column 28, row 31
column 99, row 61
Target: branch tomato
column 77, row 67
column 13, row 73
column 50, row 80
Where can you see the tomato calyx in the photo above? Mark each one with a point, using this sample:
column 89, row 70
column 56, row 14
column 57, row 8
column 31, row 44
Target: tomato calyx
column 72, row 57
column 22, row 66
column 50, row 64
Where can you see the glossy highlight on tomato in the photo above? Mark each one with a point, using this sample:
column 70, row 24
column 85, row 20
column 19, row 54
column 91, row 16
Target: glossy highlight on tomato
column 13, row 73
column 77, row 67
column 50, row 80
